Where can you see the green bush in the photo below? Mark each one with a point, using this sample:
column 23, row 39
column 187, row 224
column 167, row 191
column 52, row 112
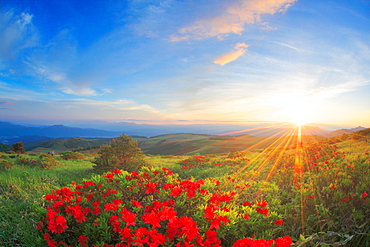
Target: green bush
column 121, row 153
column 18, row 148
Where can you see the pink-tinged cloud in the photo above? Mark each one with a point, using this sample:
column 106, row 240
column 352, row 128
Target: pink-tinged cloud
column 240, row 49
column 233, row 19
column 5, row 103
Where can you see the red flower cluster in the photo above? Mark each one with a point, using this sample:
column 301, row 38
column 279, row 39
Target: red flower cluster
column 144, row 209
column 261, row 208
column 279, row 242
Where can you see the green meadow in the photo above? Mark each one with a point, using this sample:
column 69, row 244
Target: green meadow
column 317, row 191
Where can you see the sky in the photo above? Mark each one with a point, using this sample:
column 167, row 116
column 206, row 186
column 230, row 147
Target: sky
column 185, row 61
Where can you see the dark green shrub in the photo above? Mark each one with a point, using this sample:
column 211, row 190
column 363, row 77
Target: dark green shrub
column 121, row 153
column 18, row 148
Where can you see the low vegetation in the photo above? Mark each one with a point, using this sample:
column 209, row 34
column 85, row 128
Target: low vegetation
column 311, row 194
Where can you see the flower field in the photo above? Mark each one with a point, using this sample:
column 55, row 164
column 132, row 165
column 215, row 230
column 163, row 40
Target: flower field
column 305, row 195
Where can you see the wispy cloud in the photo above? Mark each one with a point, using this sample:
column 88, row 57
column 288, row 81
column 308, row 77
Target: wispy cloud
column 6, row 103
column 239, row 49
column 233, row 19
column 17, row 33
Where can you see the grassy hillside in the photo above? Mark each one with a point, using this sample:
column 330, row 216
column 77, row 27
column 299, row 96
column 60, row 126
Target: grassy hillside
column 178, row 144
column 62, row 145
column 190, row 144
column 320, row 197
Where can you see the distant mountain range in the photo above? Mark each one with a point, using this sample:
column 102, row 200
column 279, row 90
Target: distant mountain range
column 30, row 136
column 12, row 133
column 61, row 138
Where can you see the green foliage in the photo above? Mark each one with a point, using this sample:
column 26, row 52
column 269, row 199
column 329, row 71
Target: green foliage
column 122, row 153
column 21, row 196
column 18, row 148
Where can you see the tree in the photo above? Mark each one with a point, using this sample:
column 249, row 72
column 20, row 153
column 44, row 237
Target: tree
column 18, row 148
column 121, row 153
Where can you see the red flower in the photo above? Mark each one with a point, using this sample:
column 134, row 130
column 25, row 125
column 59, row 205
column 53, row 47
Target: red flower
column 364, row 195
column 151, row 188
column 212, row 239
column 279, row 222
column 248, row 242
column 167, row 171
column 151, row 218
column 176, row 192
column 83, row 241
column 57, row 223
column 128, row 217
column 262, row 203
column 246, row 216
column 111, row 206
column 136, row 204
column 283, row 241
column 117, row 171
column 109, row 175
column 246, row 203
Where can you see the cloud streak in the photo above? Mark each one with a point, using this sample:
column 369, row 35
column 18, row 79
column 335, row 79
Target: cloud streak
column 240, row 49
column 232, row 20
column 17, row 33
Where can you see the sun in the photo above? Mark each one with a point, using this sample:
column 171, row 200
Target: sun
column 294, row 108
column 300, row 118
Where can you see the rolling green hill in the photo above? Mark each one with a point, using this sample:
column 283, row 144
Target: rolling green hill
column 4, row 147
column 190, row 144
column 62, row 145
column 179, row 144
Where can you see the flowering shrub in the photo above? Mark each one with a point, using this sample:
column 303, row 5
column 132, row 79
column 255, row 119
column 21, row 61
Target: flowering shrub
column 44, row 161
column 72, row 155
column 5, row 164
column 195, row 161
column 154, row 208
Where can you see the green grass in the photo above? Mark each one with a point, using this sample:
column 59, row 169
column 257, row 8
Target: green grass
column 21, row 197
column 269, row 175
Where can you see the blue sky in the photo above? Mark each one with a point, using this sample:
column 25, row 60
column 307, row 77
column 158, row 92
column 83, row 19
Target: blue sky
column 220, row 61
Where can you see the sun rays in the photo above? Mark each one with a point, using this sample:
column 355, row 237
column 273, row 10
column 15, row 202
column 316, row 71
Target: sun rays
column 286, row 151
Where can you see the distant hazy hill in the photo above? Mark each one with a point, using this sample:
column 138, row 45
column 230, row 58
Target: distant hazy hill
column 12, row 133
column 363, row 132
column 361, row 135
column 345, row 131
column 233, row 140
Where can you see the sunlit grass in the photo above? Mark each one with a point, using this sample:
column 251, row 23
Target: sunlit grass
column 316, row 187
